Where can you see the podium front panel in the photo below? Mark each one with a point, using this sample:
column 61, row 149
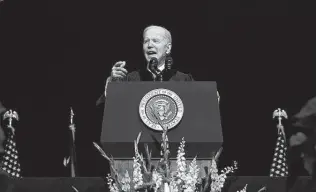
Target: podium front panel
column 200, row 125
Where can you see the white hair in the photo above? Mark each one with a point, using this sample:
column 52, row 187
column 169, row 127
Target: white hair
column 167, row 33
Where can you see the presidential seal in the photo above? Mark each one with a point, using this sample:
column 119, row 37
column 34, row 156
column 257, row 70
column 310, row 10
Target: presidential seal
column 161, row 105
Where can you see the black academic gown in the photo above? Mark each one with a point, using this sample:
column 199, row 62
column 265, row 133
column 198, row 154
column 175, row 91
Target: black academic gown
column 145, row 75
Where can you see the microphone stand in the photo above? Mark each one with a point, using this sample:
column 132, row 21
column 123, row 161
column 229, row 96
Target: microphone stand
column 160, row 77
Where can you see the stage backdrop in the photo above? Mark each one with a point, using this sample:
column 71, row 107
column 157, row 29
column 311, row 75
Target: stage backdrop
column 58, row 55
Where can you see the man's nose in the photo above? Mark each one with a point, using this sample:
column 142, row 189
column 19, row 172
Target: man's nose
column 149, row 44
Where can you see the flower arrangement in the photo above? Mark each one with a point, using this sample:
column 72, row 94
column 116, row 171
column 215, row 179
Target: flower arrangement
column 159, row 178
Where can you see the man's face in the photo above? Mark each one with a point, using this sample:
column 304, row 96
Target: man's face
column 156, row 44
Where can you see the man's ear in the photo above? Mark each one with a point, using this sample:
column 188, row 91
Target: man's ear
column 169, row 46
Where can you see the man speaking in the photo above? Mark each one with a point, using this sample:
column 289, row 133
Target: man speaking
column 157, row 44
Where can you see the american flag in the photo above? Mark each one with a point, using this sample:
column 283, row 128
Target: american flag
column 10, row 161
column 279, row 167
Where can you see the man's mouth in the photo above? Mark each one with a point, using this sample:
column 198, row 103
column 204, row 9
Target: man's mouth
column 151, row 52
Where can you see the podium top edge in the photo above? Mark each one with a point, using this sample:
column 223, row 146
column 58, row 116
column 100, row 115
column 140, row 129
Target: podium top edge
column 166, row 82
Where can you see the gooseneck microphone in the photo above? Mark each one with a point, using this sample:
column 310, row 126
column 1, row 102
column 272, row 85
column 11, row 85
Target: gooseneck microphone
column 169, row 63
column 166, row 73
column 153, row 67
column 159, row 75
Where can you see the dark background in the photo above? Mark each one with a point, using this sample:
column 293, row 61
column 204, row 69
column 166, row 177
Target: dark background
column 56, row 55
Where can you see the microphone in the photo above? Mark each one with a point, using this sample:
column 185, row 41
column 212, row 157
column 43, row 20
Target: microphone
column 166, row 73
column 153, row 66
column 169, row 63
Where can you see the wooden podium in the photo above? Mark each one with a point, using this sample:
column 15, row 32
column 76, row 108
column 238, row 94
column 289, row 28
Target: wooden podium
column 200, row 125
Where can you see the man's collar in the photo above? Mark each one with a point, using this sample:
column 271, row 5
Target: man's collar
column 146, row 75
column 162, row 67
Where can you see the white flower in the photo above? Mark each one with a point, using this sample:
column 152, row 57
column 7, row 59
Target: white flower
column 137, row 174
column 192, row 176
column 126, row 182
column 218, row 180
column 184, row 179
column 112, row 186
column 173, row 185
column 157, row 178
column 181, row 164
